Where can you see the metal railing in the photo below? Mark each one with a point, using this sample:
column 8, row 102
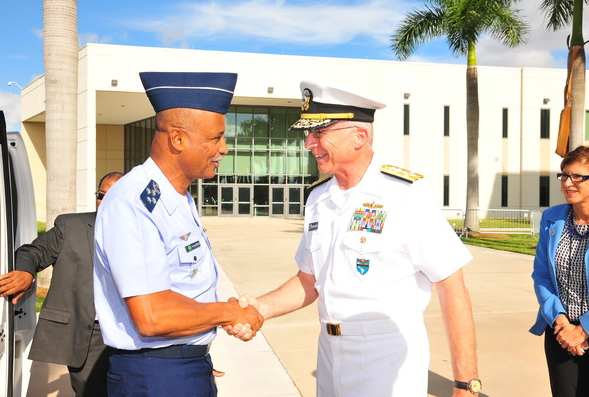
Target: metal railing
column 508, row 221
column 456, row 219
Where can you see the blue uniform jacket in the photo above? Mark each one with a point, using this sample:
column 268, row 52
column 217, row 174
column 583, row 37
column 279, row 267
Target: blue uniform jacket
column 544, row 274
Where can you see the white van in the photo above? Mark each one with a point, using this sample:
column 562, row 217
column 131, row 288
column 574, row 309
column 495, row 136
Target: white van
column 18, row 225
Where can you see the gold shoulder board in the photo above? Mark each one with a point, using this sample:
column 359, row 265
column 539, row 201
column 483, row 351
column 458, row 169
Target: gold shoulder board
column 400, row 173
column 319, row 182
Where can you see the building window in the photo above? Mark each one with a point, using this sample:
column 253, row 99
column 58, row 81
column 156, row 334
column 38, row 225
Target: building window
column 544, row 191
column 138, row 137
column 263, row 162
column 544, row 123
column 504, row 123
column 446, row 190
column 406, row 114
column 504, row 187
column 446, row 120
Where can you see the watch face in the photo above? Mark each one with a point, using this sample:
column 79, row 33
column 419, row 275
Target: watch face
column 475, row 385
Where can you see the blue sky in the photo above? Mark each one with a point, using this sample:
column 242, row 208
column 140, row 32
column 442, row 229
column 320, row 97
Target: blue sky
column 347, row 29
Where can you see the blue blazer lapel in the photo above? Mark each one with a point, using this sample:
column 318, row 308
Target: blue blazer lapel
column 557, row 219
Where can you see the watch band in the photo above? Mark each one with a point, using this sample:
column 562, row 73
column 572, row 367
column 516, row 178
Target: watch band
column 462, row 385
column 473, row 386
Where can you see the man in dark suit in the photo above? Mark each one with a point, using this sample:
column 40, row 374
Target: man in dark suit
column 67, row 332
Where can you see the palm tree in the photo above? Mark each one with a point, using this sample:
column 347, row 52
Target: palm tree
column 462, row 23
column 60, row 54
column 560, row 13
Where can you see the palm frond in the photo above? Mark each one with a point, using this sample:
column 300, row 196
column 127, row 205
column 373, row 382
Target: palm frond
column 418, row 27
column 558, row 13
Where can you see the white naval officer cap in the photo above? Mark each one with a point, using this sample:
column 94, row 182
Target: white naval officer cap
column 323, row 106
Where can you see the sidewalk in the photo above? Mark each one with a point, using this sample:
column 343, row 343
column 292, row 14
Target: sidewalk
column 256, row 255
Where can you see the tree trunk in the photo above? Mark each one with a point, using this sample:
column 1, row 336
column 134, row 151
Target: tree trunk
column 60, row 54
column 577, row 129
column 472, row 151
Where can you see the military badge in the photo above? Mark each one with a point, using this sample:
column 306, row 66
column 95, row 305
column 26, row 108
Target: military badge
column 184, row 237
column 362, row 265
column 151, row 195
column 368, row 219
column 307, row 98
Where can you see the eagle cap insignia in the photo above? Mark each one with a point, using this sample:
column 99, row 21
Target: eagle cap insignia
column 306, row 100
column 400, row 173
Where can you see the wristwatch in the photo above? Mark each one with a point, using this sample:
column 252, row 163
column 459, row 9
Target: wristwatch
column 473, row 385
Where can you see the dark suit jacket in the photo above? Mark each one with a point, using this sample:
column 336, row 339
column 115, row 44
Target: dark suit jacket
column 67, row 316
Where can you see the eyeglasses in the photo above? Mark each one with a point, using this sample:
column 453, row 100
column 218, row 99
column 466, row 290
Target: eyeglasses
column 99, row 195
column 575, row 177
column 319, row 133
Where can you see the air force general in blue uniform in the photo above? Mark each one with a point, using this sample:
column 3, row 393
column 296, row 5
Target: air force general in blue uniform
column 155, row 275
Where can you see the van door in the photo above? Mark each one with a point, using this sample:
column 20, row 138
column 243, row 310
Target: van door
column 18, row 225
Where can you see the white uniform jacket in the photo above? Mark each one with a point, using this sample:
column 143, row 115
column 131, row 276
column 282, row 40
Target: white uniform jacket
column 375, row 250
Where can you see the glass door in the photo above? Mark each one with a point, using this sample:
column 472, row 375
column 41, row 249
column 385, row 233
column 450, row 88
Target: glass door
column 278, row 201
column 227, row 200
column 236, row 200
column 295, row 201
column 244, row 200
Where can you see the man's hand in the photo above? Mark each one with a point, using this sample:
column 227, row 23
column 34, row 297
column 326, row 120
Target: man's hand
column 247, row 322
column 15, row 283
column 244, row 331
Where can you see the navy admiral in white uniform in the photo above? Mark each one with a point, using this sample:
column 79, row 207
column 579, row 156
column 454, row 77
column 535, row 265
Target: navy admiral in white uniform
column 155, row 275
column 374, row 244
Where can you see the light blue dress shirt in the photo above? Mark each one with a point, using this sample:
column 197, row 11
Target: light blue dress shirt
column 149, row 238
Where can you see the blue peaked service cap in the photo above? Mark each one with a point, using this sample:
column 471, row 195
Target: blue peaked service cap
column 205, row 91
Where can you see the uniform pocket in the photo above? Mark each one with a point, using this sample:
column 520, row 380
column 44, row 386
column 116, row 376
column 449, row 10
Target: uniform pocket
column 188, row 257
column 55, row 315
column 366, row 259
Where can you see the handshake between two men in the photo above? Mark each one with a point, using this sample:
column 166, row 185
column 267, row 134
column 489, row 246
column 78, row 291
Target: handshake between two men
column 247, row 327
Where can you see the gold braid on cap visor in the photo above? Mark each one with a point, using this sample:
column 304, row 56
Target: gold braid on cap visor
column 326, row 116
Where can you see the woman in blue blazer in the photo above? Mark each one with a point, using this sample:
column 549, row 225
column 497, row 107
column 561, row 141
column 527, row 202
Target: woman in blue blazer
column 560, row 280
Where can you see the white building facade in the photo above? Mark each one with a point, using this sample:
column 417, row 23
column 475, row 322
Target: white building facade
column 423, row 127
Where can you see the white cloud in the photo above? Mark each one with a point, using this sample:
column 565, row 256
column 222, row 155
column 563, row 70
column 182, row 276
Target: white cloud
column 303, row 22
column 10, row 104
column 90, row 37
column 545, row 48
column 38, row 32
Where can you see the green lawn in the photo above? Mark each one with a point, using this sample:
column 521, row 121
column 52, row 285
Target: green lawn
column 521, row 243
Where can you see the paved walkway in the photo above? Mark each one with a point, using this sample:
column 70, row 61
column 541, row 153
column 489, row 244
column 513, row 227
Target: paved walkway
column 256, row 255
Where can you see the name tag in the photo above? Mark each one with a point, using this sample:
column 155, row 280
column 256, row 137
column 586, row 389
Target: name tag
column 313, row 226
column 193, row 246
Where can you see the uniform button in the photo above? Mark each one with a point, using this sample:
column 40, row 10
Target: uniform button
column 195, row 258
column 89, row 327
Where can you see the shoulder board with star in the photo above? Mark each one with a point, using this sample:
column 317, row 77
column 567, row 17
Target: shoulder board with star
column 315, row 184
column 400, row 173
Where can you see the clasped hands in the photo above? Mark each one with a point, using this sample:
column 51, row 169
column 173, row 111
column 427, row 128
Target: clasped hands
column 571, row 337
column 245, row 328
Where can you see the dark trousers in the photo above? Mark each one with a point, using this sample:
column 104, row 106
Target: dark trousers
column 569, row 375
column 139, row 375
column 89, row 380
